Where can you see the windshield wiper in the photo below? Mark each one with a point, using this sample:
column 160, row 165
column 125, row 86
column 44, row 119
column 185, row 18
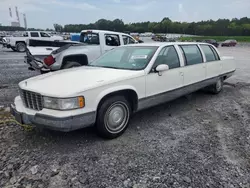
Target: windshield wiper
column 108, row 67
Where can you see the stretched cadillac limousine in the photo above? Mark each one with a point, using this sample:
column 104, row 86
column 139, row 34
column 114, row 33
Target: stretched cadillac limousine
column 127, row 79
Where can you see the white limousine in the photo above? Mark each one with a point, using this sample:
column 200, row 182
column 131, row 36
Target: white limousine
column 122, row 81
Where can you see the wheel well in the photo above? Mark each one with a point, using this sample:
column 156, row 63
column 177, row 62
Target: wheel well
column 129, row 94
column 20, row 42
column 82, row 59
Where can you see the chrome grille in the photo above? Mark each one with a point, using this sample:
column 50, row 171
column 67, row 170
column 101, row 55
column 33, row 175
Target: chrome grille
column 31, row 100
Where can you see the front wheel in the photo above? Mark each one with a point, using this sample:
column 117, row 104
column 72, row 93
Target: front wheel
column 113, row 117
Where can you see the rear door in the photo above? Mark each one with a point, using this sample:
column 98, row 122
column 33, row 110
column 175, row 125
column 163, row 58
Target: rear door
column 195, row 68
column 212, row 61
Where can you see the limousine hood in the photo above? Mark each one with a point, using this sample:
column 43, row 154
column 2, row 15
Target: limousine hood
column 66, row 83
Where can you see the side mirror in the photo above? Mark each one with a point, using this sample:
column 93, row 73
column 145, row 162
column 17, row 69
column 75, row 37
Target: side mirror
column 162, row 67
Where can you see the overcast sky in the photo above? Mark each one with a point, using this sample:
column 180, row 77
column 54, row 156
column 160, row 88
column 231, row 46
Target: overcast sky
column 43, row 13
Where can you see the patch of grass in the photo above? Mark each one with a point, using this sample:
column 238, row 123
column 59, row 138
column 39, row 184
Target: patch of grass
column 218, row 38
column 6, row 117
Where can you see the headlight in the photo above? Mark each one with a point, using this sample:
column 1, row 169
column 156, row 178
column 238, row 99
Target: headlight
column 63, row 104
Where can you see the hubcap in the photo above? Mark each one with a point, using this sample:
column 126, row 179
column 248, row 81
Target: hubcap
column 116, row 117
column 21, row 48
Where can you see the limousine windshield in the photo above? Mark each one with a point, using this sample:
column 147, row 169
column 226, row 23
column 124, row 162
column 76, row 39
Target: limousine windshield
column 127, row 57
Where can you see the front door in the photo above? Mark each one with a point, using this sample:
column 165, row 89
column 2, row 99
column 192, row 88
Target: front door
column 162, row 87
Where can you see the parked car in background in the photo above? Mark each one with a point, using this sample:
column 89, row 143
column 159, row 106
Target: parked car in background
column 212, row 41
column 120, row 82
column 37, row 50
column 19, row 43
column 229, row 43
column 92, row 44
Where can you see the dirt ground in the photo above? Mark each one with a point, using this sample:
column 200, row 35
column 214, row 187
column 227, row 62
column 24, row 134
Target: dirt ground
column 200, row 140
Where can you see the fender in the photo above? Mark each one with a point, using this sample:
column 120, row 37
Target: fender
column 113, row 90
column 80, row 58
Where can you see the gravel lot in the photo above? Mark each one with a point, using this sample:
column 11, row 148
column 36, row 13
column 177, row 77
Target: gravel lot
column 201, row 140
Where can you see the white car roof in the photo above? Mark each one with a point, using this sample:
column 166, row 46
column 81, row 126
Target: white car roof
column 103, row 31
column 159, row 44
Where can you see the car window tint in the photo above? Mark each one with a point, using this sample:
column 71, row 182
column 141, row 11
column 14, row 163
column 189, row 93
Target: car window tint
column 127, row 40
column 44, row 34
column 192, row 54
column 112, row 40
column 215, row 53
column 168, row 56
column 209, row 54
column 34, row 34
column 127, row 57
column 89, row 38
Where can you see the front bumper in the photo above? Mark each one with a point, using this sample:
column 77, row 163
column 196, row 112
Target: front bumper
column 64, row 124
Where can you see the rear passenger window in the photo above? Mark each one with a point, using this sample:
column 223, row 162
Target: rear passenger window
column 208, row 53
column 112, row 40
column 168, row 56
column 191, row 54
column 215, row 53
column 34, row 34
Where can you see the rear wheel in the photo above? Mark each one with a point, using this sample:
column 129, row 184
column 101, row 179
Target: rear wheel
column 21, row 47
column 71, row 64
column 217, row 87
column 113, row 117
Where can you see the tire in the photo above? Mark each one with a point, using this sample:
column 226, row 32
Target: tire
column 71, row 64
column 217, row 87
column 111, row 109
column 21, row 47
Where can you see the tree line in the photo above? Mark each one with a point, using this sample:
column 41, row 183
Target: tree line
column 220, row 27
column 233, row 27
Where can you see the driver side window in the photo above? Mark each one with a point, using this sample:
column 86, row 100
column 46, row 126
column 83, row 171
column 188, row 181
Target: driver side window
column 44, row 34
column 112, row 40
column 168, row 56
column 127, row 40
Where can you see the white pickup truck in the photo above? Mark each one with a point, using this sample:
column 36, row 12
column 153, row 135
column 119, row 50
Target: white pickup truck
column 93, row 43
column 19, row 43
column 122, row 81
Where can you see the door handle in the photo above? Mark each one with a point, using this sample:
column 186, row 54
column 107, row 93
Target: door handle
column 181, row 73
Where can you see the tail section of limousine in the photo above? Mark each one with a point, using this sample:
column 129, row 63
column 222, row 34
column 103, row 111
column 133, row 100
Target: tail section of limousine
column 228, row 66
